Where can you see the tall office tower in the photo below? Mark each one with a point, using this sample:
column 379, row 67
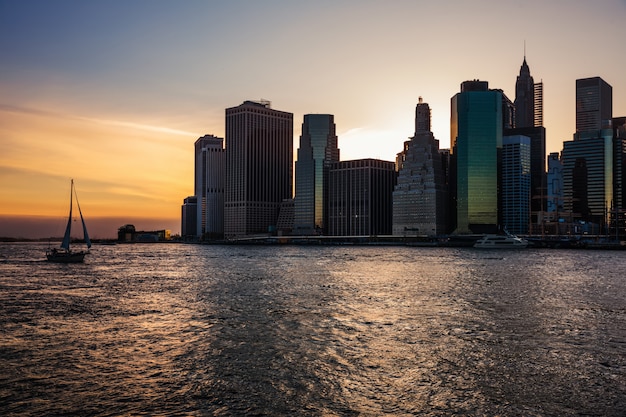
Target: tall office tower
column 588, row 162
column 189, row 218
column 210, row 171
column 318, row 148
column 618, row 210
column 259, row 167
column 594, row 104
column 360, row 197
column 476, row 139
column 588, row 175
column 515, row 183
column 420, row 198
column 529, row 122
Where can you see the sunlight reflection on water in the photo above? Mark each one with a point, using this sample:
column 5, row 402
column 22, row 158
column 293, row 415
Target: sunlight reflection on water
column 236, row 330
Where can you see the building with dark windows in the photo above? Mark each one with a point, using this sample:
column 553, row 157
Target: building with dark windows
column 318, row 149
column 554, row 193
column 210, row 172
column 259, row 167
column 588, row 176
column 476, row 140
column 420, row 197
column 189, row 218
column 588, row 160
column 529, row 122
column 594, row 104
column 515, row 183
column 618, row 209
column 360, row 197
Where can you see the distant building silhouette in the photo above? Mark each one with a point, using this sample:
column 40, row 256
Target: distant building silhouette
column 476, row 140
column 420, row 197
column 189, row 218
column 259, row 167
column 318, row 149
column 210, row 173
column 515, row 183
column 360, row 197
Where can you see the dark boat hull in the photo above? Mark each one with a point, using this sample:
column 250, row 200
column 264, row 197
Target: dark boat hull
column 66, row 257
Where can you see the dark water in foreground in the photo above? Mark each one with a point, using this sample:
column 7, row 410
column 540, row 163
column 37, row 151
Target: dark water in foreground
column 312, row 331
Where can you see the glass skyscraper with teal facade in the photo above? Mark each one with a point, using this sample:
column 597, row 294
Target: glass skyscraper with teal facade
column 476, row 140
column 318, row 149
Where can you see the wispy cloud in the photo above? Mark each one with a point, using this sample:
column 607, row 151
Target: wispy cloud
column 7, row 108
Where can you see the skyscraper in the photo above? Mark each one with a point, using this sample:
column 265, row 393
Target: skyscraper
column 476, row 139
column 318, row 148
column 420, row 198
column 529, row 122
column 588, row 162
column 588, row 175
column 515, row 183
column 259, row 167
column 210, row 171
column 594, row 104
column 360, row 197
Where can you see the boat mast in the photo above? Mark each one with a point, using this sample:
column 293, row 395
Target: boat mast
column 68, row 229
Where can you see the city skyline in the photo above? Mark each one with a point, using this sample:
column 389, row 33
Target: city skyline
column 115, row 94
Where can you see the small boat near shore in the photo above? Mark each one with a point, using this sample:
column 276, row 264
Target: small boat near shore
column 507, row 241
column 64, row 254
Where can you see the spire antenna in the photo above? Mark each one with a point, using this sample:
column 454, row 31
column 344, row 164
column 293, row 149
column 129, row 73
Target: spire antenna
column 524, row 48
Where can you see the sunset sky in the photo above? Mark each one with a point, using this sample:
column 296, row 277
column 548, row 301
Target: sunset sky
column 114, row 93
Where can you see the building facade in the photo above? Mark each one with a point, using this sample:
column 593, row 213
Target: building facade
column 515, row 183
column 476, row 139
column 420, row 197
column 259, row 167
column 189, row 218
column 554, row 195
column 318, row 149
column 588, row 175
column 209, row 178
column 360, row 197
column 594, row 104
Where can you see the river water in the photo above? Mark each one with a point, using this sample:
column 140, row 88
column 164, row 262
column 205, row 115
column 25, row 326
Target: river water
column 176, row 330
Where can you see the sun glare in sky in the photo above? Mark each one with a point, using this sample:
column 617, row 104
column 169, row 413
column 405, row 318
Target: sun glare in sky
column 114, row 94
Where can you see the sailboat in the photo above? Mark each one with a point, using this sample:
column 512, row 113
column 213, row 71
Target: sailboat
column 64, row 254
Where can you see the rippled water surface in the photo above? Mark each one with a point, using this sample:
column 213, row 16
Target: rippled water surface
column 312, row 331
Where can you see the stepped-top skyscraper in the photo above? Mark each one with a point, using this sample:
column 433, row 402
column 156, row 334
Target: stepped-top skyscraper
column 588, row 164
column 420, row 197
column 524, row 98
column 529, row 122
column 259, row 167
column 318, row 149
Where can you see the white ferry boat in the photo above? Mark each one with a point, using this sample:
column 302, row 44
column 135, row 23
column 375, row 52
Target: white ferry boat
column 501, row 242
